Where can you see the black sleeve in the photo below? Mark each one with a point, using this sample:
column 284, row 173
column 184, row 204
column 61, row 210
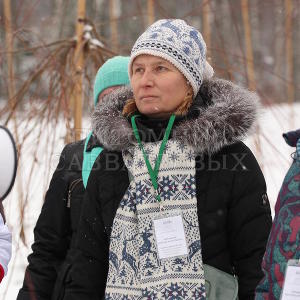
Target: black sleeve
column 107, row 184
column 51, row 238
column 249, row 223
column 87, row 277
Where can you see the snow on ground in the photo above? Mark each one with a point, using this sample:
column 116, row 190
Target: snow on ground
column 273, row 156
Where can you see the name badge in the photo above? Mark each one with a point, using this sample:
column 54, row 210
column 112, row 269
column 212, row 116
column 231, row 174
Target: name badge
column 291, row 287
column 170, row 236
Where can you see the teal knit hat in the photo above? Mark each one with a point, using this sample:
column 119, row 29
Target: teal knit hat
column 113, row 72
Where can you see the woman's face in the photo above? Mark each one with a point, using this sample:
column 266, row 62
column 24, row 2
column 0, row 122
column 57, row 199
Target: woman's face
column 158, row 87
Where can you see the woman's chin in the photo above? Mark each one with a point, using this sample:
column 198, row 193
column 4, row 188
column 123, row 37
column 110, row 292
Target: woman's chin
column 148, row 111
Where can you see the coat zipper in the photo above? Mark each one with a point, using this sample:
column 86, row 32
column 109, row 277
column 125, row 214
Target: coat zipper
column 72, row 186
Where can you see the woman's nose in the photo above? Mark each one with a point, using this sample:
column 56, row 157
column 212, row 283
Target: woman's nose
column 147, row 78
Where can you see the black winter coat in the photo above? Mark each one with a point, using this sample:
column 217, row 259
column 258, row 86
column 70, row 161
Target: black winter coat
column 233, row 208
column 56, row 229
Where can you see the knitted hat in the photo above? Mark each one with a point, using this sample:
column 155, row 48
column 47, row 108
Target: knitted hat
column 113, row 72
column 180, row 44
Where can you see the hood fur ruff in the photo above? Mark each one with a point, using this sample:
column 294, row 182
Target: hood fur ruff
column 228, row 118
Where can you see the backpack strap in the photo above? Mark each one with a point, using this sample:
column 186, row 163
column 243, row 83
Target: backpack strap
column 89, row 158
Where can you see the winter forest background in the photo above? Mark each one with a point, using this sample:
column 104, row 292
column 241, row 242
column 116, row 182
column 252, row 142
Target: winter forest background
column 50, row 51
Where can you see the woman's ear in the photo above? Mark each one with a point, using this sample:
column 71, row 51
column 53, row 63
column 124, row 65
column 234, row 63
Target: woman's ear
column 190, row 92
column 186, row 104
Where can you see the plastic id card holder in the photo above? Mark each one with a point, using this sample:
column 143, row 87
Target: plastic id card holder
column 170, row 235
column 291, row 286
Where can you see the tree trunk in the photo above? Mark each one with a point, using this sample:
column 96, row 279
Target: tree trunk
column 12, row 102
column 10, row 64
column 150, row 8
column 113, row 15
column 79, row 67
column 206, row 26
column 250, row 67
column 265, row 44
column 289, row 50
column 289, row 57
column 248, row 45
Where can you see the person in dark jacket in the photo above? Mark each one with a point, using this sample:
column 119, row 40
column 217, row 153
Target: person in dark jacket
column 172, row 155
column 283, row 243
column 57, row 225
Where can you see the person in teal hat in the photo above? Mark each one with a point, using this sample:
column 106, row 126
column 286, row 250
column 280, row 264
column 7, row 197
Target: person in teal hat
column 109, row 77
column 56, row 229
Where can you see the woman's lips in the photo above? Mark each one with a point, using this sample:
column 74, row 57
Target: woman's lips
column 148, row 98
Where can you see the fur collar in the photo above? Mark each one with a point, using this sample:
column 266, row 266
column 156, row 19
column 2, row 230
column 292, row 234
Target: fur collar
column 228, row 118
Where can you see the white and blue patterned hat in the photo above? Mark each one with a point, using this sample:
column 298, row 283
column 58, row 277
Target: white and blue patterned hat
column 180, row 44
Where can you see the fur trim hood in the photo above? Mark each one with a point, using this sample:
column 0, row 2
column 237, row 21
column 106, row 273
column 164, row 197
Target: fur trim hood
column 229, row 115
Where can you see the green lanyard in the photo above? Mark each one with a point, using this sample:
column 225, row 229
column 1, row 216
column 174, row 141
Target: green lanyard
column 153, row 173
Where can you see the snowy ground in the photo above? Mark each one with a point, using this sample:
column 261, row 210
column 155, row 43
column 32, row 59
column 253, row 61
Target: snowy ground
column 273, row 156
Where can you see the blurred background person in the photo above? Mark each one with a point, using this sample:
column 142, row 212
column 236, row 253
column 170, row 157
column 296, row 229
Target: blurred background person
column 57, row 225
column 284, row 239
column 8, row 169
column 5, row 245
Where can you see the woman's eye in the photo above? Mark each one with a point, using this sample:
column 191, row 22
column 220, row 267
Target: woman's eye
column 138, row 70
column 161, row 68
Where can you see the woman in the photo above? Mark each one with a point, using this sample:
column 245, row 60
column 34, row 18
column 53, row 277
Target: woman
column 283, row 243
column 173, row 164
